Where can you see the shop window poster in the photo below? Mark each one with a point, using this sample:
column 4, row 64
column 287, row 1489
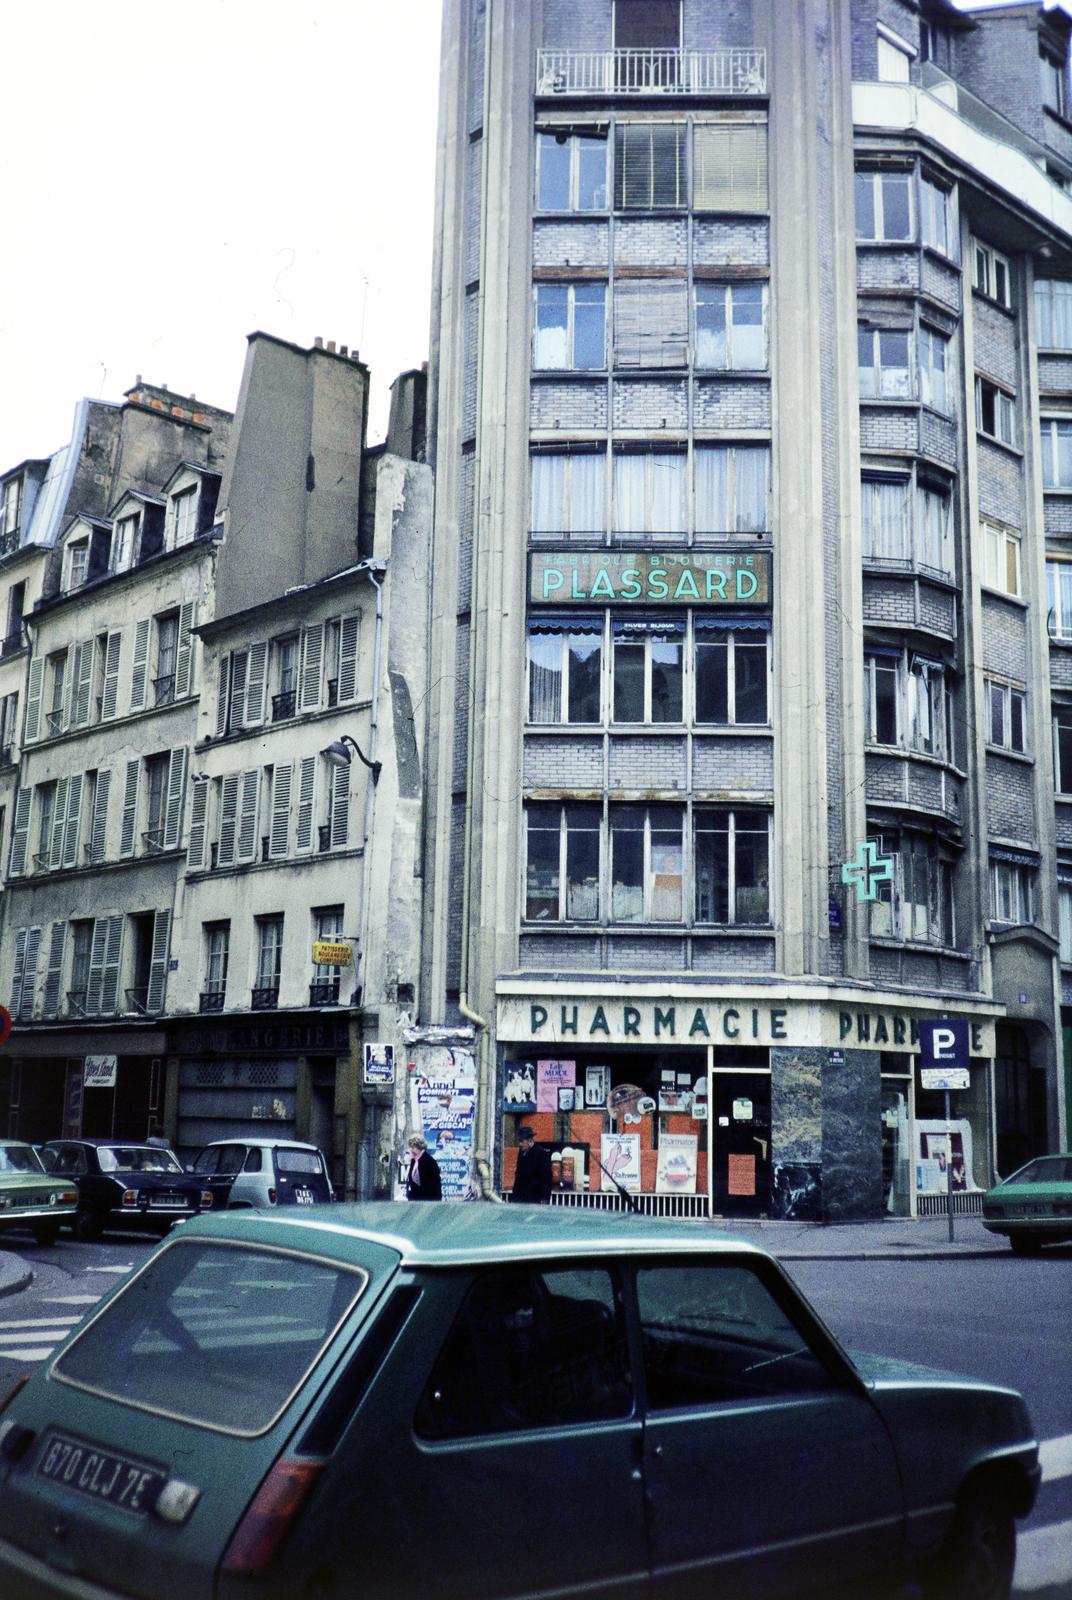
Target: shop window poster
column 625, row 1101
column 675, row 1172
column 620, row 1157
column 519, row 1090
column 551, row 1076
column 935, row 1141
column 443, row 1092
column 671, row 1098
column 596, row 1086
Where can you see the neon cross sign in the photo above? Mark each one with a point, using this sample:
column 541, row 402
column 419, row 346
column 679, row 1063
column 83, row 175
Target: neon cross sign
column 867, row 871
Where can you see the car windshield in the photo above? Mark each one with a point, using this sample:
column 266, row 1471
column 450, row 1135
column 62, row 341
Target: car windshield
column 19, row 1158
column 218, row 1335
column 1047, row 1169
column 297, row 1161
column 136, row 1158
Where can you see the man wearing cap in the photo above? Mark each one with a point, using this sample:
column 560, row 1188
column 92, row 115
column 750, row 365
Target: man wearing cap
column 532, row 1179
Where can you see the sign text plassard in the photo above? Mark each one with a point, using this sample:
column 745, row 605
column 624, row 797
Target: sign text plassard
column 650, row 578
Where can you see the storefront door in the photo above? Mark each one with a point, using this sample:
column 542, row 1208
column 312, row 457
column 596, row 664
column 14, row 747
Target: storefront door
column 740, row 1143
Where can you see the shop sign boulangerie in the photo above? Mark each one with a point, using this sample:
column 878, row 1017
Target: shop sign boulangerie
column 675, row 1172
column 327, row 953
column 443, row 1094
column 551, row 1076
column 641, row 577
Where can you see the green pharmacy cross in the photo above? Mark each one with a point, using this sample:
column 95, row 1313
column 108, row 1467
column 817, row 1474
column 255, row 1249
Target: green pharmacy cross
column 867, row 871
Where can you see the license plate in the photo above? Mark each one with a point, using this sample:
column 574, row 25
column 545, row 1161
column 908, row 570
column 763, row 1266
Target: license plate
column 303, row 1197
column 171, row 1200
column 99, row 1474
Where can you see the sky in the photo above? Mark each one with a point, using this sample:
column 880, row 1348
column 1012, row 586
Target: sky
column 176, row 177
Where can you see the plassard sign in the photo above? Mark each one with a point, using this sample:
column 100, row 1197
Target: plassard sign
column 650, row 578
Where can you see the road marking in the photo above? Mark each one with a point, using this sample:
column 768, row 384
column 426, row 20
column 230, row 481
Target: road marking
column 128, row 1268
column 69, row 1299
column 1043, row 1557
column 1055, row 1457
column 29, row 1355
column 41, row 1322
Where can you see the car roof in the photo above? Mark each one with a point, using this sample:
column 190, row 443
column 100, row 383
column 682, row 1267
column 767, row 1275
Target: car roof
column 126, row 1144
column 460, row 1234
column 263, row 1144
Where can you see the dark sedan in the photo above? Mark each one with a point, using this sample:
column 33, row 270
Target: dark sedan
column 124, row 1184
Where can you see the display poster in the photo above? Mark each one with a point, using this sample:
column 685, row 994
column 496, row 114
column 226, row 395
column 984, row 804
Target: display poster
column 934, row 1154
column 624, row 1103
column 596, row 1086
column 672, row 1098
column 675, row 1172
column 551, row 1076
column 741, row 1178
column 72, row 1102
column 620, row 1156
column 379, row 1063
column 443, row 1099
column 519, row 1087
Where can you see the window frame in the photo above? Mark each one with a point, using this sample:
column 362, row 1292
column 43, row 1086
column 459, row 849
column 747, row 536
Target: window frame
column 571, row 521
column 894, row 51
column 619, row 190
column 1051, row 454
column 563, row 631
column 989, row 266
column 269, row 925
column 931, row 377
column 540, row 288
column 733, row 860
column 876, row 178
column 909, row 670
column 646, row 639
column 1004, row 411
column 713, row 288
column 583, row 814
column 217, row 954
column 575, row 140
column 1001, row 543
column 1012, row 885
column 1048, row 296
column 1006, row 716
column 738, row 638
column 937, row 217
column 1062, row 749
column 653, row 459
column 876, row 366
column 649, row 874
column 1059, row 599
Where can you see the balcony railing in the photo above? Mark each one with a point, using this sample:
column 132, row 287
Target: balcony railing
column 12, row 643
column 76, row 1003
column 9, row 542
column 164, row 689
column 153, row 840
column 283, row 705
column 55, row 721
column 324, row 994
column 212, row 999
column 138, row 1000
column 265, row 999
column 651, row 71
column 5, row 755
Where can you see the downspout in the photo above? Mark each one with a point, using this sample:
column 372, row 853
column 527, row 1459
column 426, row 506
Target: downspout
column 370, row 786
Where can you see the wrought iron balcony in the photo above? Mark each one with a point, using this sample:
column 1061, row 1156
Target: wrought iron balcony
column 138, row 1000
column 153, row 840
column 76, row 1003
column 55, row 721
column 164, row 689
column 265, row 999
column 13, row 643
column 212, row 999
column 283, row 705
column 9, row 542
column 710, row 72
column 324, row 994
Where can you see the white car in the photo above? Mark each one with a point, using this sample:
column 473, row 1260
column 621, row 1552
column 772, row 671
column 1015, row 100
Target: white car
column 264, row 1172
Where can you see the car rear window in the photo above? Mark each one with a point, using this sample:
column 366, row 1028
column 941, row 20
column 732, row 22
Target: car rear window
column 297, row 1161
column 214, row 1334
column 137, row 1158
column 1047, row 1169
column 19, row 1158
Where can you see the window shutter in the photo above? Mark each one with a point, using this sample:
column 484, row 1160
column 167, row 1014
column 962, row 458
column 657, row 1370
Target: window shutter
column 247, row 821
column 139, row 672
column 19, row 972
column 279, row 836
column 96, row 966
column 110, row 691
column 158, row 961
column 57, row 946
column 651, row 322
column 33, row 699
column 20, row 833
column 113, row 951
column 98, row 839
column 730, row 161
column 306, row 800
column 130, row 809
column 348, row 630
column 340, row 805
column 228, row 820
column 239, row 674
column 73, row 821
column 176, row 794
column 82, row 676
column 184, row 650
column 59, row 824
column 311, row 670
column 223, row 696
column 256, row 684
column 195, row 854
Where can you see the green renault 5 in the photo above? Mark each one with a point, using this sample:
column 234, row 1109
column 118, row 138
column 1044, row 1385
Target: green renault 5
column 29, row 1197
column 1033, row 1207
column 485, row 1402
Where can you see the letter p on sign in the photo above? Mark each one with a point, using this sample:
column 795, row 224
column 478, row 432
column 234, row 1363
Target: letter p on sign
column 944, row 1053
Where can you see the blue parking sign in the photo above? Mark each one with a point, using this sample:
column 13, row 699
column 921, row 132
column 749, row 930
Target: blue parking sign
column 944, row 1053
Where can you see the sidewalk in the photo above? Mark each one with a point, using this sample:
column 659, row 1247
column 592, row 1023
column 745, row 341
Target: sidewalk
column 15, row 1273
column 886, row 1238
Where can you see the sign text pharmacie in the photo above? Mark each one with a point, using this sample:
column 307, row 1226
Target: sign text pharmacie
column 806, row 1024
column 650, row 578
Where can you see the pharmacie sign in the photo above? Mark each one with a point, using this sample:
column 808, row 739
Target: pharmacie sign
column 648, row 578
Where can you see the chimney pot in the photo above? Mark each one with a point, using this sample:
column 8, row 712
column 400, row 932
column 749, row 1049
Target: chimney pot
column 331, row 347
column 137, row 380
column 318, row 343
column 344, row 349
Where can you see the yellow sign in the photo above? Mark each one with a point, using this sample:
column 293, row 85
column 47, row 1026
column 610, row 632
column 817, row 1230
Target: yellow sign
column 326, row 954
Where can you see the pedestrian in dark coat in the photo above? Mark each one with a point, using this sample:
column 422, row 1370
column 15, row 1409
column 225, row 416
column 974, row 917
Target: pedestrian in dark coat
column 423, row 1181
column 532, row 1180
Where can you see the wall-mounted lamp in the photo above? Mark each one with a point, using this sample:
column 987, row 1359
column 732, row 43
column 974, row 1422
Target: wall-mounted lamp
column 338, row 754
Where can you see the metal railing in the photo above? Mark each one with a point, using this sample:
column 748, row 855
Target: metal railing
column 732, row 71
column 138, row 1000
column 211, row 1000
column 264, row 999
column 153, row 840
column 12, row 643
column 164, row 689
column 650, row 1205
column 283, row 705
column 76, row 1003
column 55, row 721
column 9, row 542
column 966, row 1203
column 324, row 994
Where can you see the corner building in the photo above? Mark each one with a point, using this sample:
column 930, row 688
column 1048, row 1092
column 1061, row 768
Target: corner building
column 752, row 338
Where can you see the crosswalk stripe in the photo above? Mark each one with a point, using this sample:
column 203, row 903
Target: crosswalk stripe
column 30, row 1354
column 1055, row 1456
column 42, row 1322
column 69, row 1300
column 1043, row 1557
column 128, row 1268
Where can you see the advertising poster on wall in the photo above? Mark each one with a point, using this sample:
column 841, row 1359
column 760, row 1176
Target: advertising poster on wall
column 675, row 1172
column 443, row 1096
column 519, row 1086
column 596, row 1086
column 551, row 1076
column 620, row 1155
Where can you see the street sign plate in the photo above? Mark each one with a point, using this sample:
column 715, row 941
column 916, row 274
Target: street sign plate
column 944, row 1053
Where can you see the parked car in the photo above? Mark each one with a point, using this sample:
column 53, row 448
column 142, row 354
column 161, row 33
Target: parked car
column 479, row 1401
column 1034, row 1206
column 124, row 1184
column 263, row 1172
column 29, row 1198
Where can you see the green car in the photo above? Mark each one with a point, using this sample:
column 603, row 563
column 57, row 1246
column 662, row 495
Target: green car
column 485, row 1402
column 1034, row 1206
column 29, row 1198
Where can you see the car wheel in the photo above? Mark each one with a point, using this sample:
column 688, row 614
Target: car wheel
column 87, row 1226
column 980, row 1553
column 46, row 1232
column 1025, row 1244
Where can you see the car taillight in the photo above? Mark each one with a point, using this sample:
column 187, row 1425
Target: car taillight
column 130, row 1197
column 270, row 1513
column 69, row 1197
column 271, row 1197
column 206, row 1199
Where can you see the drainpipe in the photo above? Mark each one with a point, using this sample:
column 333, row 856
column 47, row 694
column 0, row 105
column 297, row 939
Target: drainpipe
column 370, row 787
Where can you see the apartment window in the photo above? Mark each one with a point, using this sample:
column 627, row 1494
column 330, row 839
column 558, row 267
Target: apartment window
column 894, row 57
column 567, row 491
column 1053, row 314
column 285, row 676
column 10, row 506
column 46, row 816
column 562, row 863
column 1005, row 716
column 731, row 669
column 651, row 323
column 887, row 527
column 124, row 542
column 1052, row 81
column 570, row 326
column 16, row 605
column 1064, row 915
column 571, row 172
column 731, row 326
column 729, row 167
column 565, row 663
column 56, row 670
column 908, row 703
column 647, row 24
column 269, row 956
column 183, row 509
column 647, row 864
column 1059, row 599
column 156, row 775
column 76, row 562
column 9, row 724
column 916, row 905
column 327, row 926
column 995, row 412
column 649, row 166
column 1001, row 558
column 990, row 273
column 1056, row 453
column 885, row 373
column 934, row 208
column 934, row 529
column 1012, row 892
column 732, row 488
column 732, row 867
column 167, row 644
column 81, row 945
column 217, row 955
column 933, row 348
column 884, row 206
column 648, row 671
column 1062, row 748
column 649, row 491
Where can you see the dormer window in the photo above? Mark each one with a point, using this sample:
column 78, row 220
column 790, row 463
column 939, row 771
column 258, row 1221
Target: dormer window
column 182, row 514
column 125, row 542
column 77, row 560
column 10, row 510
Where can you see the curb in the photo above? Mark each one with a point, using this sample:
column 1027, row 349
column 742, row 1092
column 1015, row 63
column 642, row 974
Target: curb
column 16, row 1283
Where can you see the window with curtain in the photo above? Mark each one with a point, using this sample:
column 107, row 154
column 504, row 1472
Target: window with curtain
column 562, row 862
column 916, row 905
column 649, row 166
column 933, row 350
column 565, row 661
column 935, row 204
column 567, row 492
column 1053, row 314
column 730, row 672
column 934, row 533
column 732, row 867
column 1062, row 748
column 1059, row 597
column 886, row 529
column 729, row 167
column 647, row 864
column 1064, row 912
column 1012, row 892
column 649, row 491
column 648, row 671
column 731, row 326
column 885, row 370
column 732, row 488
column 1056, row 453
